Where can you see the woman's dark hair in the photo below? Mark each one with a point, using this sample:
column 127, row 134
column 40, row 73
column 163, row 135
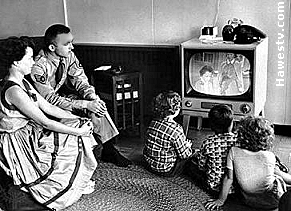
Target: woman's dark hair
column 205, row 69
column 220, row 117
column 255, row 133
column 53, row 31
column 165, row 104
column 13, row 49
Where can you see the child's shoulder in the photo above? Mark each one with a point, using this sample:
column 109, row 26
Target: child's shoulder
column 261, row 153
column 228, row 139
column 228, row 134
column 222, row 136
column 160, row 123
column 267, row 153
column 235, row 149
column 171, row 122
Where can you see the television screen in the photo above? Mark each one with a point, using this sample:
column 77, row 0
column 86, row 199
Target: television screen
column 218, row 73
column 223, row 73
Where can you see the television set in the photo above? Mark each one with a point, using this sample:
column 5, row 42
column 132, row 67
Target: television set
column 223, row 73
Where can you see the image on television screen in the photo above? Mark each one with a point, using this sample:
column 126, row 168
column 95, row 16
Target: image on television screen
column 219, row 73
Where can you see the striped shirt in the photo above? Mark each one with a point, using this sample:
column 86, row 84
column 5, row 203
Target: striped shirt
column 165, row 142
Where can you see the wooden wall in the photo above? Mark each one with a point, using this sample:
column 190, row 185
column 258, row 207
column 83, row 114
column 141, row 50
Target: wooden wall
column 159, row 65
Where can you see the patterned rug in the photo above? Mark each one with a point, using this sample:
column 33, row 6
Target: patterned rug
column 133, row 188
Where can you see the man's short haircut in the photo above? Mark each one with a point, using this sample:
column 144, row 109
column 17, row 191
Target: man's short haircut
column 255, row 133
column 165, row 104
column 220, row 117
column 53, row 31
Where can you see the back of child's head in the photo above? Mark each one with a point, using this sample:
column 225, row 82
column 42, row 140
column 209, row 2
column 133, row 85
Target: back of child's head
column 255, row 133
column 165, row 104
column 220, row 117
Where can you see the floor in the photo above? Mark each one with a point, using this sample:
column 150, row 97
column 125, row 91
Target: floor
column 131, row 146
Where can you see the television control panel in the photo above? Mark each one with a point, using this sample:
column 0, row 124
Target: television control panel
column 202, row 108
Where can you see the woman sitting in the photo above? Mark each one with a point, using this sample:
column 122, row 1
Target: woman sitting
column 52, row 160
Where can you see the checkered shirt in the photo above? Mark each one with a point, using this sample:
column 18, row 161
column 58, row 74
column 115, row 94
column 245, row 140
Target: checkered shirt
column 165, row 142
column 212, row 157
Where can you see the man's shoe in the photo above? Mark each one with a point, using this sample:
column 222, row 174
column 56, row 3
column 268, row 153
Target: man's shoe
column 111, row 155
column 115, row 158
column 97, row 151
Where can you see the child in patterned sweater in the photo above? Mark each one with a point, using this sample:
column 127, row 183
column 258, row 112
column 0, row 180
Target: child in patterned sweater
column 210, row 160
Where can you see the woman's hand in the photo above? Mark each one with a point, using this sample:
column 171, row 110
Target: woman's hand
column 214, row 204
column 86, row 129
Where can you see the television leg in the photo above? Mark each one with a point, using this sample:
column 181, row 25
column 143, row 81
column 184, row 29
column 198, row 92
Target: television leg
column 186, row 120
column 199, row 122
column 262, row 113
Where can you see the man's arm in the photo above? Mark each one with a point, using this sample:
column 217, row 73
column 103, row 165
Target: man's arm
column 79, row 80
column 39, row 75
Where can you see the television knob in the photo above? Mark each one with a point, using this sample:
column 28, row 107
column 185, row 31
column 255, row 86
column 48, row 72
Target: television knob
column 188, row 103
column 245, row 108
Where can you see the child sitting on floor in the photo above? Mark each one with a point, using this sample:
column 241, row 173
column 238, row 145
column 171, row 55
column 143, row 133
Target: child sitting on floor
column 261, row 181
column 209, row 162
column 166, row 147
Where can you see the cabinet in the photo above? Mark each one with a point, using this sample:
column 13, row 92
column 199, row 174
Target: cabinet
column 122, row 94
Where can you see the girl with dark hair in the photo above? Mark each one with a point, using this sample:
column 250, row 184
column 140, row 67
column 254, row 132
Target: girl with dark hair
column 261, row 182
column 50, row 160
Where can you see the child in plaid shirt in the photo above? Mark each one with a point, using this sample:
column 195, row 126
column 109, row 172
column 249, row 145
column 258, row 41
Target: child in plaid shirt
column 166, row 147
column 210, row 160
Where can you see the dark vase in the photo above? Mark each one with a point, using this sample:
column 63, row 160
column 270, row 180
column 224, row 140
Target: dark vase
column 228, row 33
